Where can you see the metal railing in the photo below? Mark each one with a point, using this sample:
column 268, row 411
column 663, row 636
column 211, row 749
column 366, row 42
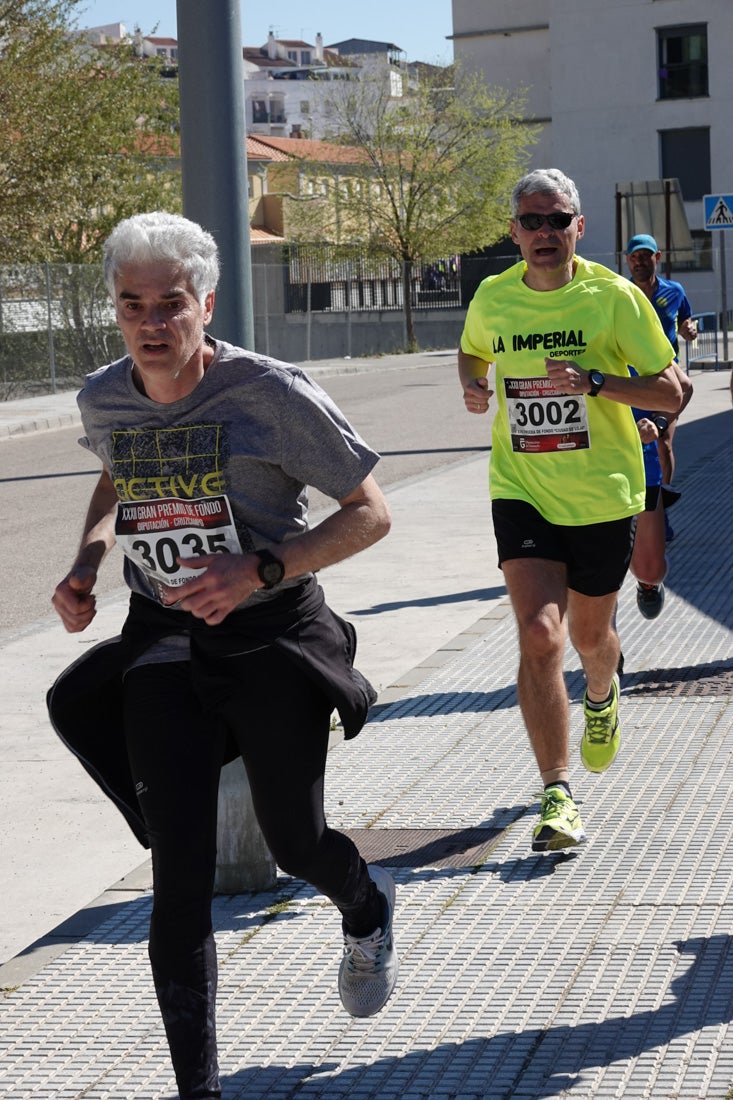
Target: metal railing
column 705, row 348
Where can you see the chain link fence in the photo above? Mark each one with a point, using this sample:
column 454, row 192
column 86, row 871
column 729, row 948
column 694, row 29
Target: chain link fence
column 57, row 323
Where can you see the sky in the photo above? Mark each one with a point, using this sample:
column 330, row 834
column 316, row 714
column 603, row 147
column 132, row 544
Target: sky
column 420, row 33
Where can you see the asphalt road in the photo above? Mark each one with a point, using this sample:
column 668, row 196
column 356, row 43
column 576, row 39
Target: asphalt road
column 413, row 417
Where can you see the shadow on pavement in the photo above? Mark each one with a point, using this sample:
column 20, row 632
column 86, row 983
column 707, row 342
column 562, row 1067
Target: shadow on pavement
column 432, row 601
column 504, row 1064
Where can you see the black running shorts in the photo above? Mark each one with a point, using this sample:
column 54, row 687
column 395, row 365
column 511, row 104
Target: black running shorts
column 597, row 555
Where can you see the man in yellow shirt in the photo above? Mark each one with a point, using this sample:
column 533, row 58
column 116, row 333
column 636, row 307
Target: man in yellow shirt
column 566, row 473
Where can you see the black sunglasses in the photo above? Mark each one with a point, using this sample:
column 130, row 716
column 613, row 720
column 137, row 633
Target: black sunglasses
column 555, row 221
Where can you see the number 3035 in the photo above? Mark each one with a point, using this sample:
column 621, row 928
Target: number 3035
column 163, row 554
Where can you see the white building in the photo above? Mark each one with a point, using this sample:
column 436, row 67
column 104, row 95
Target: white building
column 288, row 87
column 145, row 45
column 624, row 90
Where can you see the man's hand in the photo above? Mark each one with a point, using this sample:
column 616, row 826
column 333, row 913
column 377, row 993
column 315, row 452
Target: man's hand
column 648, row 430
column 476, row 395
column 226, row 581
column 688, row 329
column 73, row 598
column 567, row 377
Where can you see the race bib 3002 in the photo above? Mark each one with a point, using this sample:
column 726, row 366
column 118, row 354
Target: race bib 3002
column 541, row 420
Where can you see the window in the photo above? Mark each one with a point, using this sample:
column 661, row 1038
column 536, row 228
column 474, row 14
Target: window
column 293, row 56
column 305, row 57
column 305, row 107
column 685, row 154
column 683, row 61
column 260, row 113
column 702, row 244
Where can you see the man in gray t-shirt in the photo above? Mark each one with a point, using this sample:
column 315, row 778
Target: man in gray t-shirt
column 229, row 647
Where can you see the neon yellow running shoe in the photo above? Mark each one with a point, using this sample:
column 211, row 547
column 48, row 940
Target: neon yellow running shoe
column 560, row 825
column 602, row 736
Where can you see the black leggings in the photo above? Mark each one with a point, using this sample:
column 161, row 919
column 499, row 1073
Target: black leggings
column 176, row 728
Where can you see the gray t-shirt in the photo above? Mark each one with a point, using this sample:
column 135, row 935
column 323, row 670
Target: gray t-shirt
column 248, row 440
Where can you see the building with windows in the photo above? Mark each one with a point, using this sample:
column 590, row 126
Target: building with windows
column 146, row 45
column 288, row 84
column 623, row 90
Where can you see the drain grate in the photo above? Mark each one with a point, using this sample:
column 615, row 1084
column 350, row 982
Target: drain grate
column 425, row 847
column 713, row 678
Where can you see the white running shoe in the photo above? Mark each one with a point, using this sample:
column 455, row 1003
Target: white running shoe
column 368, row 970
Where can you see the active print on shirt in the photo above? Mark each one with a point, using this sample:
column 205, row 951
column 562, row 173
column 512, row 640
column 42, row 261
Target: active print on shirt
column 223, row 470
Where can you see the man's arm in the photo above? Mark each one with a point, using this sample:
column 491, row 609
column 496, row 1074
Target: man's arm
column 472, row 372
column 73, row 598
column 661, row 391
column 362, row 519
column 686, row 388
column 687, row 329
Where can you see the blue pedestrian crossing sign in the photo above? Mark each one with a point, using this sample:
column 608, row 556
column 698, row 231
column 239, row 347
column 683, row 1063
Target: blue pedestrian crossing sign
column 718, row 211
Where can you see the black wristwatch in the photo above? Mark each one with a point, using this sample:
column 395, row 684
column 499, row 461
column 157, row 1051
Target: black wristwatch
column 597, row 380
column 270, row 570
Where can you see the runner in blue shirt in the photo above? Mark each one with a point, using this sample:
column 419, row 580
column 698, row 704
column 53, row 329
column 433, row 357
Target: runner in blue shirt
column 654, row 531
column 675, row 313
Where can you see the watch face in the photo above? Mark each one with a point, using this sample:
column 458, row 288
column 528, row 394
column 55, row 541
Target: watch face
column 596, row 382
column 270, row 570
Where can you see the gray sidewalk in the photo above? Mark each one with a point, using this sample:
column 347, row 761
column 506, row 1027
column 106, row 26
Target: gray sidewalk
column 602, row 972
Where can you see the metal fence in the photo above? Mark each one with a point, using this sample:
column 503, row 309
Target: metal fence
column 704, row 349
column 326, row 281
column 57, row 323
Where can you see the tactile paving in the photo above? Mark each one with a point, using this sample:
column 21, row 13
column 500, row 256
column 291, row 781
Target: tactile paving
column 603, row 972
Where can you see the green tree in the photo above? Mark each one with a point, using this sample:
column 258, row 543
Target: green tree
column 89, row 135
column 433, row 175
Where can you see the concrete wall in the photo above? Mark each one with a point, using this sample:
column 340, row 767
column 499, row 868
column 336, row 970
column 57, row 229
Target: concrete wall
column 328, row 335
column 297, row 337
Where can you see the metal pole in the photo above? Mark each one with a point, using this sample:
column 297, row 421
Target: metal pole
column 49, row 317
column 214, row 151
column 215, row 194
column 667, row 230
column 619, row 229
column 348, row 316
column 266, row 296
column 723, row 296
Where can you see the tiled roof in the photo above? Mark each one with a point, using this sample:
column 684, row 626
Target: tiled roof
column 306, row 149
column 363, row 45
column 258, row 150
column 263, row 236
column 253, row 55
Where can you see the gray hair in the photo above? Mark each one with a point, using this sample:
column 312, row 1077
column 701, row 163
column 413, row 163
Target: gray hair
column 545, row 181
column 167, row 238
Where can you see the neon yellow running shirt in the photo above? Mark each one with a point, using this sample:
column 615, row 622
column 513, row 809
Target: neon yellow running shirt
column 576, row 459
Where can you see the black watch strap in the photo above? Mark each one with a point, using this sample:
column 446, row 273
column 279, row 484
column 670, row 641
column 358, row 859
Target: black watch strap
column 596, row 383
column 270, row 570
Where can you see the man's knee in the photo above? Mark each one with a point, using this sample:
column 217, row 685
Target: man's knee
column 541, row 637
